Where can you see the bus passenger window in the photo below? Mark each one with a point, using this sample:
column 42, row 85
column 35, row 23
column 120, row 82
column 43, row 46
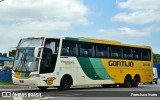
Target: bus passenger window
column 127, row 53
column 65, row 51
column 100, row 54
column 145, row 55
column 68, row 48
column 102, row 51
column 115, row 52
column 136, row 57
column 115, row 55
column 83, row 52
column 137, row 54
column 86, row 50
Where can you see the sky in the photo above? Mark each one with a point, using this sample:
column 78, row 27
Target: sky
column 128, row 21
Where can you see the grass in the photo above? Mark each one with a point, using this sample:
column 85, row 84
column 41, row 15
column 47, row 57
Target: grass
column 6, row 83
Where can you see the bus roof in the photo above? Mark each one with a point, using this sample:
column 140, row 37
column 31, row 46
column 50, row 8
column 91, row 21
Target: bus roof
column 44, row 36
column 103, row 41
column 94, row 40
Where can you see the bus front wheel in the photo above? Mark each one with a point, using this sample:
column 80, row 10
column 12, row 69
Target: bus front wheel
column 65, row 83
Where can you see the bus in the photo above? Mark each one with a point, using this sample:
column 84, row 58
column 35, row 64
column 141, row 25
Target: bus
column 62, row 62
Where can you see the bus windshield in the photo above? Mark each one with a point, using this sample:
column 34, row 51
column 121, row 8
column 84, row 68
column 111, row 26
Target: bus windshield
column 24, row 59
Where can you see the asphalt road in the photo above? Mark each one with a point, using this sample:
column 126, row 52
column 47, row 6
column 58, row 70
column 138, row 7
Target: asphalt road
column 142, row 92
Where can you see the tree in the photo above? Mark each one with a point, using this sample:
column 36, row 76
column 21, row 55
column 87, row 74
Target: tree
column 0, row 54
column 12, row 53
column 156, row 58
column 4, row 54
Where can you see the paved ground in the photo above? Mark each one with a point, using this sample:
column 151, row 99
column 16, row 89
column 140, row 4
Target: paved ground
column 145, row 91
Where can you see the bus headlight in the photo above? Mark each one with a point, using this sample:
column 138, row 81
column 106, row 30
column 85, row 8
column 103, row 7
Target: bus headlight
column 34, row 75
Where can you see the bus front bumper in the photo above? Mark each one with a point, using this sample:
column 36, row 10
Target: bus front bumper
column 28, row 81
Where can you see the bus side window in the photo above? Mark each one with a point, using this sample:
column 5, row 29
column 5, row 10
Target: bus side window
column 115, row 52
column 90, row 52
column 86, row 50
column 46, row 61
column 127, row 53
column 137, row 54
column 145, row 55
column 65, row 51
column 83, row 52
column 102, row 51
column 68, row 48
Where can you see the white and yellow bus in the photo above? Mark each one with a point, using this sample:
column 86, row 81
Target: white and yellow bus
column 64, row 62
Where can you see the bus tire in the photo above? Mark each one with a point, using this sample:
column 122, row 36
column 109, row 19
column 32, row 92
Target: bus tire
column 42, row 88
column 135, row 81
column 65, row 83
column 156, row 81
column 127, row 81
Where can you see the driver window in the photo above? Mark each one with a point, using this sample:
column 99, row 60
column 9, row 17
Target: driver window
column 49, row 56
column 53, row 45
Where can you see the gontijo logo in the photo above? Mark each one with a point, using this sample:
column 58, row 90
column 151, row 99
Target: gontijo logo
column 120, row 63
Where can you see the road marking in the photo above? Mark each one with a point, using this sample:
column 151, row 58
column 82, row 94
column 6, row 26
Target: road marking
column 45, row 98
column 17, row 98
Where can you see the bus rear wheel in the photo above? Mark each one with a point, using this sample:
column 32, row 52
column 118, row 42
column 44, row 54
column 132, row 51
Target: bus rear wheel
column 65, row 83
column 135, row 81
column 127, row 81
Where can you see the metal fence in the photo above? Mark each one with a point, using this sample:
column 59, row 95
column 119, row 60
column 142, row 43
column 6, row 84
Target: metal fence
column 5, row 76
column 158, row 68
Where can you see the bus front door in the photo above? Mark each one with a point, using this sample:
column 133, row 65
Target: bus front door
column 48, row 61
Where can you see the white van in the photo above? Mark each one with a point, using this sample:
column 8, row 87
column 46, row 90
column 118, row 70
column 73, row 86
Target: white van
column 155, row 75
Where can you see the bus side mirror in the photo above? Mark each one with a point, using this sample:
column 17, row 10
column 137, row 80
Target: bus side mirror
column 37, row 51
column 11, row 52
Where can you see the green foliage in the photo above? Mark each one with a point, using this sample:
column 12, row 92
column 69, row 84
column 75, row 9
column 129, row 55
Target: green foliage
column 1, row 54
column 156, row 58
column 4, row 55
column 6, row 83
column 12, row 53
